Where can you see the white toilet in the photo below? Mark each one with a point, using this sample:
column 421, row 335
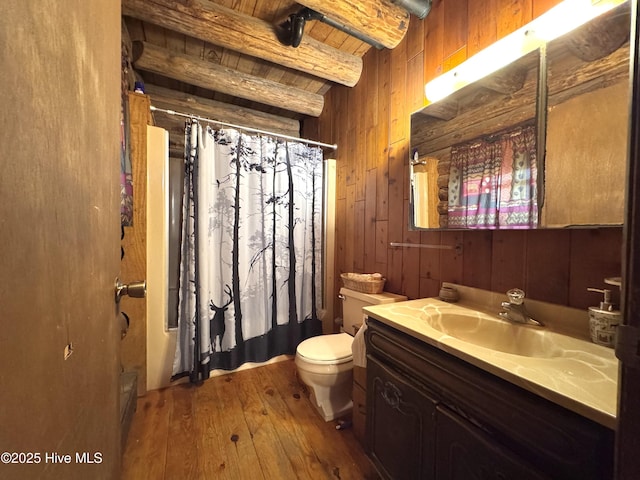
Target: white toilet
column 325, row 362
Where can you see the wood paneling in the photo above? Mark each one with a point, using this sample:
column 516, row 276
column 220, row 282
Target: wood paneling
column 350, row 248
column 134, row 262
column 415, row 84
column 451, row 260
column 548, row 265
column 476, row 263
column 397, row 180
column 410, row 260
column 415, row 38
column 542, row 6
column 434, row 38
column 595, row 255
column 482, row 25
column 370, row 222
column 455, row 30
column 359, row 229
column 398, row 112
column 512, row 14
column 429, row 259
column 554, row 265
column 508, row 258
column 382, row 128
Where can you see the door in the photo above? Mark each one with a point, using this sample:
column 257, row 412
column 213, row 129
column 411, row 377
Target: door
column 59, row 238
column 400, row 424
column 628, row 344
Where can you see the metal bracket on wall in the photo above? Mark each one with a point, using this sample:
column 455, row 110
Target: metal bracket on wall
column 457, row 247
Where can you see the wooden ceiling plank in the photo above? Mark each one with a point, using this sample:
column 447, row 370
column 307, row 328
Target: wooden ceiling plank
column 248, row 35
column 223, row 112
column 205, row 74
column 153, row 33
column 195, row 47
column 325, row 34
column 174, row 41
column 136, row 29
column 261, row 68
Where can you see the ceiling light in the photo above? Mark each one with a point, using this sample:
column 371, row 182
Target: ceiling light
column 561, row 19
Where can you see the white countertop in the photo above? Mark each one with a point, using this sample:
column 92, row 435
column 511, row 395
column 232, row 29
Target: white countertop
column 580, row 376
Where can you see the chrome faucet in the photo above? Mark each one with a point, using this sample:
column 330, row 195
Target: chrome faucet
column 515, row 310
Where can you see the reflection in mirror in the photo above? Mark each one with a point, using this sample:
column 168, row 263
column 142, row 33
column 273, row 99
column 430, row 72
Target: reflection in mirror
column 587, row 123
column 584, row 107
column 492, row 181
column 479, row 114
column 424, row 183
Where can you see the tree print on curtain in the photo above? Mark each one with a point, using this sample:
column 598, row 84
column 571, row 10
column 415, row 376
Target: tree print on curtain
column 251, row 251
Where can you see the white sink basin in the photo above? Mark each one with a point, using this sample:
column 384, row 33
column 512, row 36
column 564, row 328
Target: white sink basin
column 486, row 331
column 568, row 370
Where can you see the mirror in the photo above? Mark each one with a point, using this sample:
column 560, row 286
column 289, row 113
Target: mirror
column 571, row 97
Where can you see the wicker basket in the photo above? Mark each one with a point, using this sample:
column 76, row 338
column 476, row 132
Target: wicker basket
column 362, row 283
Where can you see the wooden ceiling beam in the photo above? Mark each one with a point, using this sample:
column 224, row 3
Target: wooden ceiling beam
column 601, row 36
column 379, row 20
column 248, row 35
column 203, row 107
column 506, row 81
column 212, row 76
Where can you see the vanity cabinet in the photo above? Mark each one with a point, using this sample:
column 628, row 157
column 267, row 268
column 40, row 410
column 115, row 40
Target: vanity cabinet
column 433, row 415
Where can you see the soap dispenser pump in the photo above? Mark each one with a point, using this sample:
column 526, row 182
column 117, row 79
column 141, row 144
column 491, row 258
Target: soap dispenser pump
column 603, row 320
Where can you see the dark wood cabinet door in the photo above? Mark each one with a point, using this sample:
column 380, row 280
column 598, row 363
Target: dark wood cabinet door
column 465, row 452
column 400, row 425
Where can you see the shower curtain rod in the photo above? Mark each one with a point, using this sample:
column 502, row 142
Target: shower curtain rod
column 246, row 129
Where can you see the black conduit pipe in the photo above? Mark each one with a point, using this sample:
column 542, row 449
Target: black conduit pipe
column 419, row 8
column 295, row 24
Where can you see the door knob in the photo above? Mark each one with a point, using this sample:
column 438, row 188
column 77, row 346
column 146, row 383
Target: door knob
column 133, row 289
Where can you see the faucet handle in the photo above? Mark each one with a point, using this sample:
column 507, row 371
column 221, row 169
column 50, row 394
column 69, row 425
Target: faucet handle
column 516, row 296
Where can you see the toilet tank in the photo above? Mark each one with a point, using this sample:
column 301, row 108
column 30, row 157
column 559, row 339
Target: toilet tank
column 352, row 303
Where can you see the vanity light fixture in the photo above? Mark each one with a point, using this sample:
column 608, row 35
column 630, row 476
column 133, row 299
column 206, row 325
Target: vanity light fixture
column 564, row 17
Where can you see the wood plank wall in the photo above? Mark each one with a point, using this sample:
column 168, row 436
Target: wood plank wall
column 370, row 123
column 133, row 267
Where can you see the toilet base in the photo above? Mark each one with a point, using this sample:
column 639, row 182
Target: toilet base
column 328, row 411
column 330, row 395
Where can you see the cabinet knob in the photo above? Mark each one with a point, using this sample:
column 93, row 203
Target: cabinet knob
column 391, row 395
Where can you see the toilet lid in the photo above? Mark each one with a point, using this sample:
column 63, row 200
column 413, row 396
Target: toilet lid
column 327, row 348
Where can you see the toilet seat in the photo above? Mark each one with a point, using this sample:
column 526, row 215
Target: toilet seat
column 331, row 349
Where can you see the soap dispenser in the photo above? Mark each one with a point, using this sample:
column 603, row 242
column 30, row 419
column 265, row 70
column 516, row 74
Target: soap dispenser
column 603, row 320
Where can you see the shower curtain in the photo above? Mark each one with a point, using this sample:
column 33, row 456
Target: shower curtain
column 250, row 277
column 492, row 181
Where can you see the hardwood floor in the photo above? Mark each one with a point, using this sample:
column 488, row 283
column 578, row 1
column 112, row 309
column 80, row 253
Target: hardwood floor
column 251, row 424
